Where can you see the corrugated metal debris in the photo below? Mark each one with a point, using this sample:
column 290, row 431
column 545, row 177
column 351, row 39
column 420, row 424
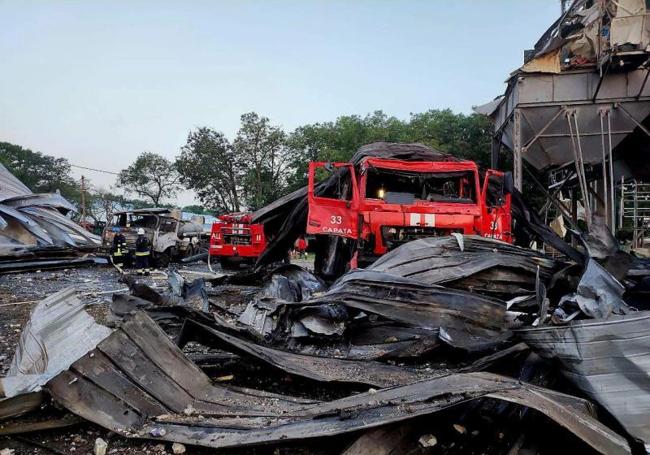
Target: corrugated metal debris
column 35, row 226
column 442, row 328
column 145, row 387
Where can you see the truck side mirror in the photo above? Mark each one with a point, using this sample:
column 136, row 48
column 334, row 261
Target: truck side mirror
column 508, row 183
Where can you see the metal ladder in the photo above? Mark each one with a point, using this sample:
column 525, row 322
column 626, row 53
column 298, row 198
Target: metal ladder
column 634, row 210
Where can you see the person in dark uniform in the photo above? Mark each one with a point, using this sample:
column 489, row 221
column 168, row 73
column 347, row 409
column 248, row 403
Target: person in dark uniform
column 142, row 253
column 119, row 249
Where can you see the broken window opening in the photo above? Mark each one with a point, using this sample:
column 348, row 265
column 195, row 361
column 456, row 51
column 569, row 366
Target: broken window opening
column 127, row 220
column 402, row 187
column 168, row 225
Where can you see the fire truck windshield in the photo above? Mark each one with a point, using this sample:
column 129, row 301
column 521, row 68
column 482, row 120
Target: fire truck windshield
column 407, row 187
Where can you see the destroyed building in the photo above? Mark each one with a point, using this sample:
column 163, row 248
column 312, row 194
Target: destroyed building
column 578, row 112
column 35, row 231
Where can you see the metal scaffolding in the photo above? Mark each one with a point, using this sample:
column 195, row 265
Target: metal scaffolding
column 634, row 210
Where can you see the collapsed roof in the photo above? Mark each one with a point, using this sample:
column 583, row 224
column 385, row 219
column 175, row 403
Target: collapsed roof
column 36, row 224
column 588, row 34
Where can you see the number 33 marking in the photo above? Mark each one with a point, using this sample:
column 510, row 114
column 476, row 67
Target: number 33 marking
column 335, row 220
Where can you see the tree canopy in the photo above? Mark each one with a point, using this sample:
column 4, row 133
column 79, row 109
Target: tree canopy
column 151, row 176
column 40, row 173
column 261, row 163
column 208, row 165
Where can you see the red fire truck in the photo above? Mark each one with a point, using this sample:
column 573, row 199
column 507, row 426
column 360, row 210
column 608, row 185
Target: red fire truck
column 382, row 203
column 235, row 240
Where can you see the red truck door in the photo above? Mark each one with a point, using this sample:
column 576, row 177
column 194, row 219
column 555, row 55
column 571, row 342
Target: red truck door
column 497, row 214
column 334, row 215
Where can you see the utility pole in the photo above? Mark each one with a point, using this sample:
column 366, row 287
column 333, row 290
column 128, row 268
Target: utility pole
column 83, row 199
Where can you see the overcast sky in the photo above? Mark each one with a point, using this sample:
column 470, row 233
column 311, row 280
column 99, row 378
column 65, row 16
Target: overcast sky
column 99, row 82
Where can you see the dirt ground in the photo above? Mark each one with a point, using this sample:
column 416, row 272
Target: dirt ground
column 18, row 294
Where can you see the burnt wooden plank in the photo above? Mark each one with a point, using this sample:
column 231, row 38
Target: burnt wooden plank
column 160, row 351
column 128, row 357
column 155, row 344
column 93, row 403
column 100, row 370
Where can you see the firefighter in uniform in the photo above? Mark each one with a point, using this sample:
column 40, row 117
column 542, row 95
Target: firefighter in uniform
column 142, row 253
column 119, row 250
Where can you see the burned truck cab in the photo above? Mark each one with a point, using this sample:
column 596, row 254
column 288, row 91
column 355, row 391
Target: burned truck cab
column 171, row 238
column 382, row 203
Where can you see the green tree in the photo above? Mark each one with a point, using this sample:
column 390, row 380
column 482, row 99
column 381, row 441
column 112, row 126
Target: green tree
column 207, row 164
column 101, row 204
column 467, row 137
column 151, row 176
column 464, row 136
column 39, row 172
column 262, row 158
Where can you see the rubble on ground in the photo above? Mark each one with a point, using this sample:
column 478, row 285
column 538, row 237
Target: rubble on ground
column 452, row 330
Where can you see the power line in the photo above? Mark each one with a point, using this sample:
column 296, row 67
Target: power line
column 93, row 169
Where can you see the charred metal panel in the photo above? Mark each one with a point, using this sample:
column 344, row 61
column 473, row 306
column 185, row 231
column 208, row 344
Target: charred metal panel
column 230, row 418
column 609, row 360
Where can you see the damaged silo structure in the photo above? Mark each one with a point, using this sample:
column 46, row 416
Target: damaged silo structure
column 578, row 112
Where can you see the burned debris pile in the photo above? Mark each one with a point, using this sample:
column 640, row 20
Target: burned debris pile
column 440, row 332
column 35, row 232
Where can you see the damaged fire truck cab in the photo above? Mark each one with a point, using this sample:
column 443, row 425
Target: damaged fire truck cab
column 383, row 203
column 235, row 240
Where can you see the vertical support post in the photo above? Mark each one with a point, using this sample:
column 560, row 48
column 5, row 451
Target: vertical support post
column 574, row 211
column 517, row 152
column 606, row 200
column 634, row 216
column 579, row 163
column 611, row 167
column 621, row 212
column 83, row 199
column 495, row 151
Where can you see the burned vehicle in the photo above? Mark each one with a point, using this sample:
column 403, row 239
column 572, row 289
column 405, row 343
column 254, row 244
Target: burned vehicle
column 383, row 203
column 171, row 237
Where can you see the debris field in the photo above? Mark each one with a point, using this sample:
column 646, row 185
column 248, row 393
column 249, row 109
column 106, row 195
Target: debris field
column 454, row 344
